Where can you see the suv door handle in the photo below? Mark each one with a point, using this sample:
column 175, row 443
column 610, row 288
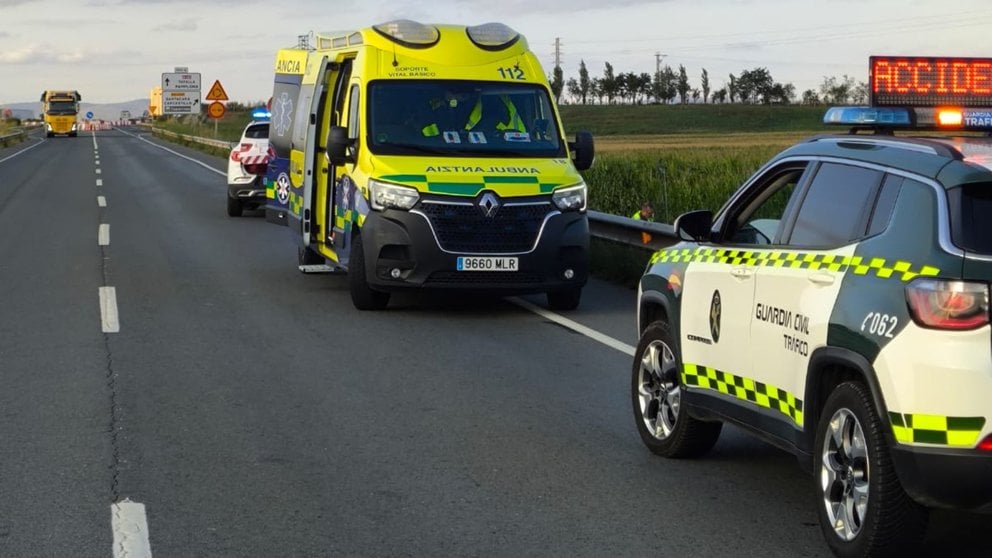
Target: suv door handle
column 822, row 278
column 742, row 272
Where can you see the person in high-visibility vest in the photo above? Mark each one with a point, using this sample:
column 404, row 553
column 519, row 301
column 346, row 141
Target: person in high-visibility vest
column 646, row 213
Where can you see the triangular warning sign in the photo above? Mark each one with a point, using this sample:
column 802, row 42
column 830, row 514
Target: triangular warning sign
column 217, row 92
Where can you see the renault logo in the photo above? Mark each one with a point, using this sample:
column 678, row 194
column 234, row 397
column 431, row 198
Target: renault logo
column 489, row 204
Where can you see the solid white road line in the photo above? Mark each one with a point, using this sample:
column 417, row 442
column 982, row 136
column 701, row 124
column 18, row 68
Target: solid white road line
column 99, row 182
column 176, row 153
column 108, row 310
column 575, row 326
column 9, row 157
column 101, row 201
column 94, row 140
column 103, row 235
column 130, row 525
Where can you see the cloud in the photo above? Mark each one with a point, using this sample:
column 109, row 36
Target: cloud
column 184, row 25
column 41, row 54
column 9, row 3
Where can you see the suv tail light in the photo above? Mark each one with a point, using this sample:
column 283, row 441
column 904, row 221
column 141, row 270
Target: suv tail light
column 986, row 444
column 955, row 305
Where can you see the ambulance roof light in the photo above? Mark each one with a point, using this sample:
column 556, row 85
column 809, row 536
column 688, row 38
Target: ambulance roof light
column 409, row 33
column 890, row 117
column 492, row 36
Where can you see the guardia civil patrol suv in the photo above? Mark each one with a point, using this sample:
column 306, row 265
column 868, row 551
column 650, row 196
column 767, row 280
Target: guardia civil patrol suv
column 838, row 307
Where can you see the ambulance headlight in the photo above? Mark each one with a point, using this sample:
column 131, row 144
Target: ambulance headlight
column 391, row 196
column 572, row 198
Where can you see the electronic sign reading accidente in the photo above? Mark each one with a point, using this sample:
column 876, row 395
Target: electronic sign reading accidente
column 922, row 81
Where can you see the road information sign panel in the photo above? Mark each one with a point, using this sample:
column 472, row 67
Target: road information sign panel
column 180, row 81
column 180, row 92
column 181, row 102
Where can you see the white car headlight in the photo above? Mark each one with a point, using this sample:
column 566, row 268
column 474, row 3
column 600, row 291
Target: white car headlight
column 391, row 196
column 572, row 198
column 48, row 126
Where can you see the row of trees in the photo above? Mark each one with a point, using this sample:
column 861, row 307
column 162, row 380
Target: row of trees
column 667, row 86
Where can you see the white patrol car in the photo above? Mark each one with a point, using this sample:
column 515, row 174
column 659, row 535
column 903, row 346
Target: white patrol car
column 246, row 167
column 838, row 307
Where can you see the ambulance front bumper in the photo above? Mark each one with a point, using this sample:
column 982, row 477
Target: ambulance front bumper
column 403, row 251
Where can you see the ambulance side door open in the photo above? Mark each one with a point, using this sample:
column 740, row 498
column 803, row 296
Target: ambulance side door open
column 336, row 236
column 310, row 150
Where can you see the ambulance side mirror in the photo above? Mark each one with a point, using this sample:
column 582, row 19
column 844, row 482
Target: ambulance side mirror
column 338, row 145
column 583, row 150
column 694, row 225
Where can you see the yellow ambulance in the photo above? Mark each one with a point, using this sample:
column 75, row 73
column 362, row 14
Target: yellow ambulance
column 425, row 156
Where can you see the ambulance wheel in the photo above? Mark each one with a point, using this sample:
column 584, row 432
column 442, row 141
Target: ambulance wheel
column 362, row 295
column 234, row 207
column 656, row 393
column 306, row 256
column 863, row 509
column 566, row 299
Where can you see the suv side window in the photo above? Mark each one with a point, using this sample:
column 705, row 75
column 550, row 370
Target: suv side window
column 885, row 204
column 835, row 209
column 759, row 219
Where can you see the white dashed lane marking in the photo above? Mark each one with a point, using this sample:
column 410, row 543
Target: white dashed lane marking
column 130, row 525
column 103, row 235
column 101, row 201
column 108, row 310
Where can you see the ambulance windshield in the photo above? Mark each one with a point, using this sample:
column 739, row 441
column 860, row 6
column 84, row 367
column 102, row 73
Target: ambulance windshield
column 462, row 118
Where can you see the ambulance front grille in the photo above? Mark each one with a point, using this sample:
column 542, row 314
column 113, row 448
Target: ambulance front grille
column 465, row 229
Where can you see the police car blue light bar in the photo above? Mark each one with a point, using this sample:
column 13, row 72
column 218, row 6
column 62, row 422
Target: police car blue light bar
column 890, row 117
column 261, row 114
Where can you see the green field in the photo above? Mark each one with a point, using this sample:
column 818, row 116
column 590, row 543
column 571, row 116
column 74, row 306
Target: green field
column 635, row 120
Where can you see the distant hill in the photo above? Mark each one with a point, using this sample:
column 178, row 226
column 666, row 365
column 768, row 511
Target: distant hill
column 105, row 111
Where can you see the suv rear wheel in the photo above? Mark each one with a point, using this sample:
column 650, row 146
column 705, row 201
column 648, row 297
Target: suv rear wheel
column 862, row 507
column 656, row 393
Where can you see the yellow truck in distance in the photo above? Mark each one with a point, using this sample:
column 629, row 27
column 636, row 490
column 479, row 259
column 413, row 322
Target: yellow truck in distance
column 59, row 110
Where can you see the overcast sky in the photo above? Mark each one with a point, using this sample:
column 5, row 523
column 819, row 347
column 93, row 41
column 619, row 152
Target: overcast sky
column 116, row 50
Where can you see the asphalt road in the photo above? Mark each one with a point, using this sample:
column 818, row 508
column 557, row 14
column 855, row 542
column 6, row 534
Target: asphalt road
column 252, row 411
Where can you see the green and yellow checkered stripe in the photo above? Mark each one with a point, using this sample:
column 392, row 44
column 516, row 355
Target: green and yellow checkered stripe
column 296, row 203
column 763, row 395
column 935, row 429
column 859, row 265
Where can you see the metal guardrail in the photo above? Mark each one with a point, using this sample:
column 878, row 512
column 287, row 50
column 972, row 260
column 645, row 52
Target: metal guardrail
column 631, row 232
column 221, row 144
column 8, row 139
